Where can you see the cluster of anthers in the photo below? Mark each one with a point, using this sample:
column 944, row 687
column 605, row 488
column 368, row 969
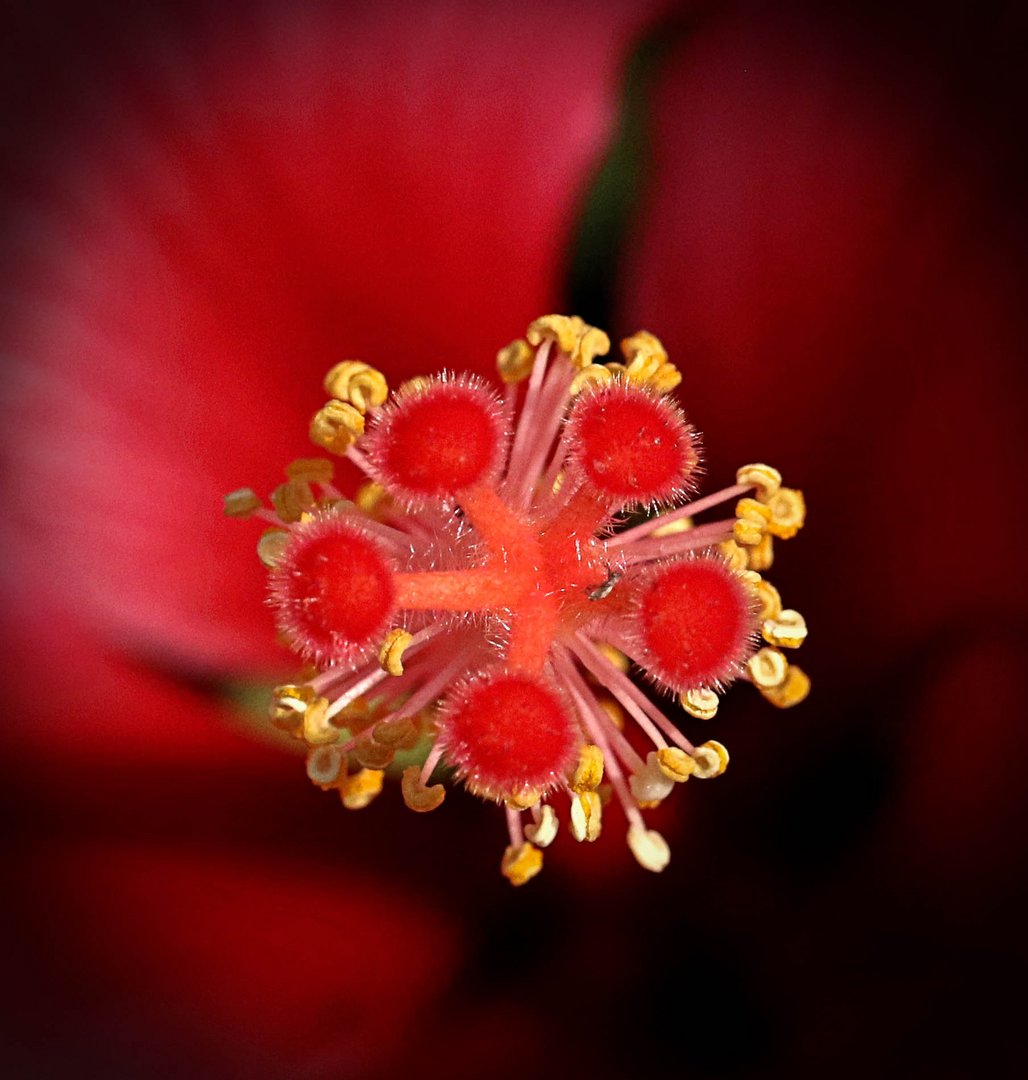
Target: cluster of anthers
column 477, row 605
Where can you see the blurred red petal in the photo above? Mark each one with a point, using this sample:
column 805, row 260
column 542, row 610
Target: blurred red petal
column 238, row 200
column 160, row 959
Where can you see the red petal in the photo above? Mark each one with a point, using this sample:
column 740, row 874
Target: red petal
column 238, row 201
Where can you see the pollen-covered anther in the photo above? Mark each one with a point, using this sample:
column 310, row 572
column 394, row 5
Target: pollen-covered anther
column 420, row 797
column 765, row 478
column 642, row 342
column 709, row 760
column 514, row 361
column 762, row 555
column 588, row 774
column 358, row 789
column 650, row 784
column 788, row 513
column 292, row 500
column 400, row 734
column 521, row 863
column 439, row 440
column 694, row 622
column 752, row 520
column 574, row 337
column 675, row 764
column 373, row 754
column 649, row 848
column 336, row 426
column 590, row 376
column 524, row 798
column 788, row 630
column 653, row 370
column 736, row 557
column 792, row 691
column 324, row 764
column 630, row 445
column 313, row 470
column 370, row 497
column 288, row 705
column 674, row 528
column 358, row 384
column 768, row 598
column 242, row 503
column 271, row 546
column 390, row 655
column 767, row 668
column 586, row 816
column 318, row 730
column 543, row 832
column 700, row 703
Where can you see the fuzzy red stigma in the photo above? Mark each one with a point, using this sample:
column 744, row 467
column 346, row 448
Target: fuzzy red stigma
column 332, row 590
column 508, row 734
column 696, row 622
column 438, row 439
column 632, row 446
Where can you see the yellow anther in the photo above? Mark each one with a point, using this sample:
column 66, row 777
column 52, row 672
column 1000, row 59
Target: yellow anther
column 737, row 557
column 580, row 342
column 788, row 512
column 369, row 497
column 560, row 329
column 514, row 361
column 317, row 728
column 709, row 760
column 650, row 784
column 794, row 690
column 752, row 519
column 615, row 656
column 543, row 832
column 766, row 479
column 292, row 500
column 317, row 470
column 336, row 426
column 788, row 630
column 642, row 341
column 589, row 376
column 358, row 384
column 402, row 734
column 675, row 764
column 768, row 598
column 416, row 795
column 653, row 371
column 323, row 765
column 700, row 703
column 586, row 816
column 372, row 753
column 390, row 655
column 271, row 546
column 649, row 848
column 614, row 711
column 616, row 369
column 673, row 528
column 521, row 863
column 524, row 799
column 413, row 385
column 358, row 789
column 768, row 668
column 288, row 704
column 762, row 555
column 589, row 772
column 242, row 503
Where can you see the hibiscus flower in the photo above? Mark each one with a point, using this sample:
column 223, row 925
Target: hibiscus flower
column 205, row 211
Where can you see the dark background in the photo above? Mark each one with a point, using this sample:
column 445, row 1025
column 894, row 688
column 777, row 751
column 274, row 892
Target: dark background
column 820, row 212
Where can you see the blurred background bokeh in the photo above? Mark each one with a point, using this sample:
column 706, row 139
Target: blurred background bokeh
column 819, row 209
